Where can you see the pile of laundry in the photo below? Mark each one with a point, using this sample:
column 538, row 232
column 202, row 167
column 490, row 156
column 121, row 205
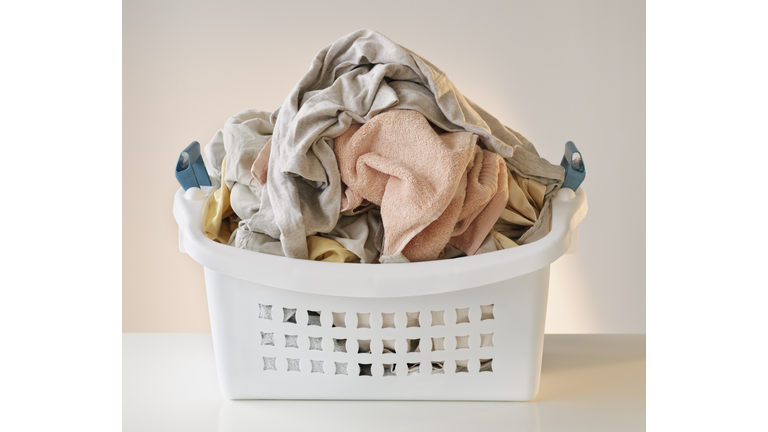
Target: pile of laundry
column 375, row 156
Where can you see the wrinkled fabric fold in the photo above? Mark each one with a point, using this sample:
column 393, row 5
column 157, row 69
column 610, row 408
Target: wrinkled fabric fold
column 486, row 196
column 353, row 80
column 241, row 140
column 216, row 213
column 523, row 208
column 261, row 164
column 325, row 249
column 400, row 163
column 357, row 234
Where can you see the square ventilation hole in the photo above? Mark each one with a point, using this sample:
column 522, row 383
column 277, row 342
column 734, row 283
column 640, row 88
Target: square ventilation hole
column 267, row 338
column 438, row 318
column 291, row 341
column 437, row 367
column 313, row 318
column 363, row 346
column 413, row 319
column 338, row 319
column 413, row 368
column 341, row 368
column 462, row 315
column 316, row 343
column 389, row 346
column 387, row 320
column 486, row 365
column 363, row 320
column 269, row 363
column 486, row 340
column 317, row 366
column 461, row 366
column 365, row 369
column 389, row 370
column 289, row 315
column 413, row 345
column 293, row 365
column 265, row 311
column 462, row 342
column 438, row 344
column 486, row 312
column 339, row 345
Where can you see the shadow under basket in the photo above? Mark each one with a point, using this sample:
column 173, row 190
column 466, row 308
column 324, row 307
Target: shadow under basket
column 469, row 328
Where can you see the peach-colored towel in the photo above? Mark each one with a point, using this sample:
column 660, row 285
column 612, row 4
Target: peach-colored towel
column 486, row 197
column 260, row 165
column 425, row 180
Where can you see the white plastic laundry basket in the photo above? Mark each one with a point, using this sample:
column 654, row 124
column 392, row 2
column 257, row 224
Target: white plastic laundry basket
column 468, row 328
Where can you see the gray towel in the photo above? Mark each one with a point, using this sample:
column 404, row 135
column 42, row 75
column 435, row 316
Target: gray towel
column 352, row 80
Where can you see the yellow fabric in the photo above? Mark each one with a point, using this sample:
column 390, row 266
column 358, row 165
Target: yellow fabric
column 325, row 249
column 526, row 198
column 216, row 209
column 503, row 240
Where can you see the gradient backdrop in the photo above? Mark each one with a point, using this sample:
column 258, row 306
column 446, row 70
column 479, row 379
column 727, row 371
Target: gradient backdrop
column 552, row 70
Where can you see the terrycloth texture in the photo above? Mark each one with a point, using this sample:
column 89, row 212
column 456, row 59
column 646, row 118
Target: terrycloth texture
column 354, row 79
column 486, row 196
column 523, row 208
column 323, row 249
column 216, row 213
column 353, row 204
column 398, row 161
column 414, row 172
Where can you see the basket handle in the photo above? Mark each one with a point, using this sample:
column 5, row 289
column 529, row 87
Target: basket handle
column 573, row 163
column 190, row 168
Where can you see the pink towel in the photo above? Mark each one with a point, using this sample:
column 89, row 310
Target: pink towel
column 425, row 180
column 486, row 196
column 260, row 165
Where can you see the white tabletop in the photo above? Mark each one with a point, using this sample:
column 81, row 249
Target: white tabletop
column 588, row 383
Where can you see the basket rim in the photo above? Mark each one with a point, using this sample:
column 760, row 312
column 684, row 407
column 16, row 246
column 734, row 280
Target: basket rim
column 383, row 280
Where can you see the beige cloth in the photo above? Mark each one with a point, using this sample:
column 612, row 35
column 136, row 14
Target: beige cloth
column 523, row 207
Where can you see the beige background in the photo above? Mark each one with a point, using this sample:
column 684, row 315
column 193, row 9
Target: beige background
column 553, row 70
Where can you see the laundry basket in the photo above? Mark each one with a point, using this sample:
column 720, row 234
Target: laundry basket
column 469, row 328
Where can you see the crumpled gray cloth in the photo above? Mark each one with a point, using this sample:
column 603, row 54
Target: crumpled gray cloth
column 357, row 234
column 244, row 239
column 357, row 77
column 240, row 140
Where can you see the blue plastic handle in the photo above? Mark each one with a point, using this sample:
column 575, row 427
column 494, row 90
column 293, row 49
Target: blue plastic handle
column 573, row 163
column 190, row 168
